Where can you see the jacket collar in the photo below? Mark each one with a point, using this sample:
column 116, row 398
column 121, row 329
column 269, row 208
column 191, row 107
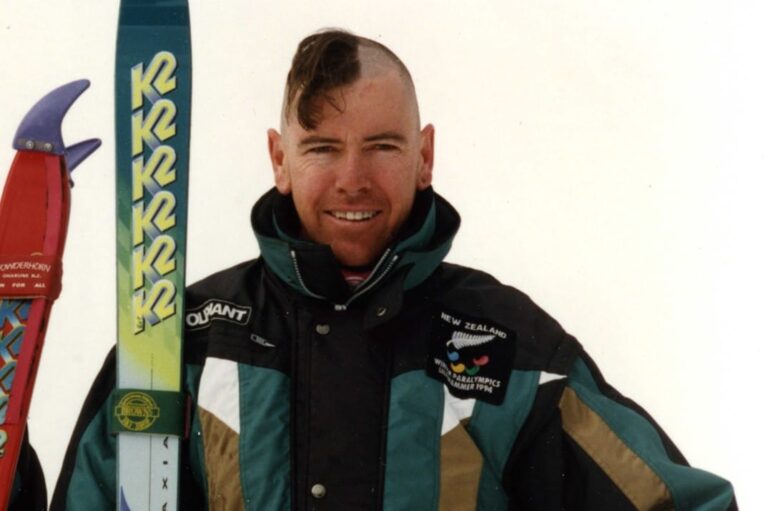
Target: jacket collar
column 311, row 268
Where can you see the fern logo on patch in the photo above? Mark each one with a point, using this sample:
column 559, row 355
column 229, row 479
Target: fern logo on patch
column 461, row 340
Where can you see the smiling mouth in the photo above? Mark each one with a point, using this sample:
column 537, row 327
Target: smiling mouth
column 353, row 216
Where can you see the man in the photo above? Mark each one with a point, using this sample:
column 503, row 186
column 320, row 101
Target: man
column 354, row 370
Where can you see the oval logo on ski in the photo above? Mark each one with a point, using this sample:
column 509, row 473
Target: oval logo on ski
column 137, row 411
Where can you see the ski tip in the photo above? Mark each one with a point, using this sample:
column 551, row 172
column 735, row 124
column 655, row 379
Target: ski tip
column 40, row 130
column 76, row 153
column 123, row 501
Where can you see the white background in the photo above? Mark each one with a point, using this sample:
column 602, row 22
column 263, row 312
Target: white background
column 608, row 158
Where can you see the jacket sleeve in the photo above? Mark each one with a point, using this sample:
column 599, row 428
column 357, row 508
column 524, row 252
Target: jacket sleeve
column 88, row 477
column 29, row 492
column 585, row 446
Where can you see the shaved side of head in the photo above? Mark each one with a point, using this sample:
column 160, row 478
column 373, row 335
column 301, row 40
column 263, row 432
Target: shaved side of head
column 327, row 61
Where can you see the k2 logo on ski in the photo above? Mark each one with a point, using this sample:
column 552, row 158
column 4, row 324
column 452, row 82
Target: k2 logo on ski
column 473, row 358
column 217, row 310
column 153, row 127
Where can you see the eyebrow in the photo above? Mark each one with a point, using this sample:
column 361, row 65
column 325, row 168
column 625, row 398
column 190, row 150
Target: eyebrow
column 315, row 139
column 387, row 135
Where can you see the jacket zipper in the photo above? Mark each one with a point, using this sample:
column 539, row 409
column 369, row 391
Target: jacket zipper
column 368, row 284
column 368, row 287
column 298, row 276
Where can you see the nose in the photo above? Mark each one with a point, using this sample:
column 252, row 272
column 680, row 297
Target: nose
column 353, row 174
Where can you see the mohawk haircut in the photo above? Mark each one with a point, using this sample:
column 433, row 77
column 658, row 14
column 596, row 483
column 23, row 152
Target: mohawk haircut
column 325, row 61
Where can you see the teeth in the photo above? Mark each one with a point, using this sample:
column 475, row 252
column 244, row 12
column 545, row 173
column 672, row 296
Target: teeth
column 354, row 216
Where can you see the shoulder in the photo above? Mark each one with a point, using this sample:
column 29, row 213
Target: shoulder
column 482, row 293
column 225, row 284
column 219, row 305
column 481, row 301
column 465, row 280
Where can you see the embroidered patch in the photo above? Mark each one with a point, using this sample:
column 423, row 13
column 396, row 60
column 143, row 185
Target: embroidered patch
column 473, row 358
column 217, row 310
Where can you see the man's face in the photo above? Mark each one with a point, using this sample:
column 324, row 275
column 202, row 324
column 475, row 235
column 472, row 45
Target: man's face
column 354, row 177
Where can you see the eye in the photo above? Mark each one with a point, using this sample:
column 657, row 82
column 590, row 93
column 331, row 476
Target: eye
column 385, row 147
column 321, row 149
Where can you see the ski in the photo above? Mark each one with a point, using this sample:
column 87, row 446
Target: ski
column 34, row 213
column 152, row 114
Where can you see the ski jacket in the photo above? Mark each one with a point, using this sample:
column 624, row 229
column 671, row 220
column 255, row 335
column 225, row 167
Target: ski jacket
column 430, row 387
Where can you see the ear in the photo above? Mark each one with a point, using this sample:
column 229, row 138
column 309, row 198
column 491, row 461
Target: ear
column 277, row 155
column 427, row 155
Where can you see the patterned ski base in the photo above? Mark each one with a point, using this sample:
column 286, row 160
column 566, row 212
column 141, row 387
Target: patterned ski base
column 13, row 318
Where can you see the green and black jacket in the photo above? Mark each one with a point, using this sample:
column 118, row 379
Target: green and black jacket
column 431, row 387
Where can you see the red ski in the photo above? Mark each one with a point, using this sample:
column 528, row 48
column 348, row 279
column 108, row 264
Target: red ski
column 34, row 211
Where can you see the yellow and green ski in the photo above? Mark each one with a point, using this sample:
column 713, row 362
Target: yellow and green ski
column 153, row 78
